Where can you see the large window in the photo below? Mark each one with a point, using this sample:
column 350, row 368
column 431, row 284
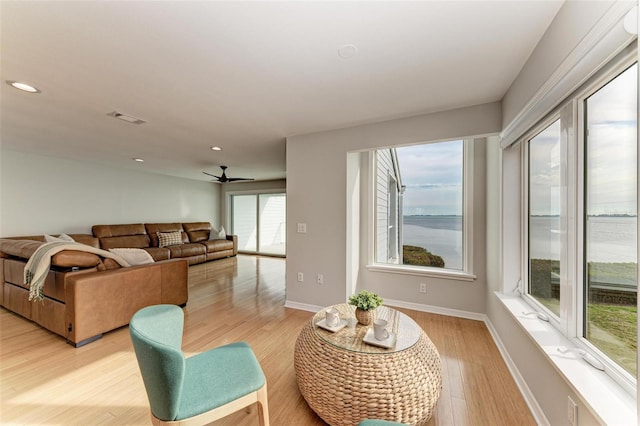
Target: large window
column 420, row 195
column 610, row 216
column 544, row 217
column 581, row 218
column 259, row 221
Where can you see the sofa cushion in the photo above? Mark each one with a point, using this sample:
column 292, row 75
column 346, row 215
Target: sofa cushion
column 103, row 231
column 217, row 245
column 129, row 241
column 61, row 237
column 187, row 250
column 158, row 253
column 75, row 259
column 87, row 239
column 121, row 236
column 219, row 235
column 23, row 249
column 153, row 228
column 166, row 239
column 197, row 231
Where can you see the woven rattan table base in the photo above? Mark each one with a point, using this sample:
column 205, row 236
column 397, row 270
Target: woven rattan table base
column 344, row 387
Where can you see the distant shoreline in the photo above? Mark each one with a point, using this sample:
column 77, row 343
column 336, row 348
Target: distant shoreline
column 432, row 215
column 591, row 215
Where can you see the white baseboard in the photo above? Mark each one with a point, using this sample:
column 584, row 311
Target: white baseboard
column 531, row 401
column 302, row 306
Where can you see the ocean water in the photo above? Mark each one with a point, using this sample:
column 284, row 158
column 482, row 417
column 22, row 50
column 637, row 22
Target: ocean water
column 441, row 235
column 612, row 239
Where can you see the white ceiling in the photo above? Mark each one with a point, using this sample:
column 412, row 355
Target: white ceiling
column 244, row 75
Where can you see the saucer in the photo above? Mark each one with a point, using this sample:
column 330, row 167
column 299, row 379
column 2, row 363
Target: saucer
column 388, row 343
column 340, row 326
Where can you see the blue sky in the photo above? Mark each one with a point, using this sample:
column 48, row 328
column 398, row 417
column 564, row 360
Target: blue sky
column 612, row 158
column 432, row 174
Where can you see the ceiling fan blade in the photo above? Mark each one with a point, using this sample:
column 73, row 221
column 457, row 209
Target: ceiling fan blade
column 217, row 177
column 236, row 179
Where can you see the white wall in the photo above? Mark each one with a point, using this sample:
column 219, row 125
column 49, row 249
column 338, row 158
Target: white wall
column 317, row 196
column 574, row 20
column 41, row 194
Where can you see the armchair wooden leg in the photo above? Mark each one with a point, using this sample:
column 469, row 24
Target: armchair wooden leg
column 263, row 406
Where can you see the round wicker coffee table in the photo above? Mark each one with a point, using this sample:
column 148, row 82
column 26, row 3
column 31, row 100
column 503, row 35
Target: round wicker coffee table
column 345, row 380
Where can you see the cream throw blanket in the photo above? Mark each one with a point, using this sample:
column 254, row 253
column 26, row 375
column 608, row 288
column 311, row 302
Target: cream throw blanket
column 38, row 265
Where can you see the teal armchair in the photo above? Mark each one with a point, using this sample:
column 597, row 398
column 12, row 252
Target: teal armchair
column 199, row 389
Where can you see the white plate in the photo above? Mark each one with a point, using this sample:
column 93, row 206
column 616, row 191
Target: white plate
column 340, row 326
column 388, row 343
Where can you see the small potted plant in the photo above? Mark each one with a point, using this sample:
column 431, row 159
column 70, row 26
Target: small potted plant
column 366, row 303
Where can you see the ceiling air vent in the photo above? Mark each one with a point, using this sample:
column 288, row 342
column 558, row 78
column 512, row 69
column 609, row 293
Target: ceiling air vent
column 125, row 117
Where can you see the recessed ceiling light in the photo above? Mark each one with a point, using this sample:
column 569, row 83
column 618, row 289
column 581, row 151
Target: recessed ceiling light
column 23, row 86
column 348, row 51
column 127, row 118
column 139, row 160
column 216, row 148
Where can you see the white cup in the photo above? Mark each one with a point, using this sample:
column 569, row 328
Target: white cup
column 333, row 317
column 380, row 329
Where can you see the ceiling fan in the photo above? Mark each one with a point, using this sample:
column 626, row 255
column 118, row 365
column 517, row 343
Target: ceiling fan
column 223, row 177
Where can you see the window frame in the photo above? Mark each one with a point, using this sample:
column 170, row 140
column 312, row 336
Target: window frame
column 573, row 146
column 578, row 325
column 466, row 273
column 557, row 321
column 229, row 201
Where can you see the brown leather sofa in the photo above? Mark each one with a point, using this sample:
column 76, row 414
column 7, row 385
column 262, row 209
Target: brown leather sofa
column 196, row 246
column 87, row 295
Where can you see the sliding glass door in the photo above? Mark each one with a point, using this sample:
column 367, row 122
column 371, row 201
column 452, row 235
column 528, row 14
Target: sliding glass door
column 259, row 222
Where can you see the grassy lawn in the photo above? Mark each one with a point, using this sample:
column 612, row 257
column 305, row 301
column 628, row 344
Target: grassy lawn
column 611, row 313
column 613, row 330
column 413, row 255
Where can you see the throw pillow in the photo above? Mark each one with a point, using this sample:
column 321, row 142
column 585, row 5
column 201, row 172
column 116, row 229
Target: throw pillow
column 169, row 238
column 133, row 256
column 59, row 238
column 218, row 235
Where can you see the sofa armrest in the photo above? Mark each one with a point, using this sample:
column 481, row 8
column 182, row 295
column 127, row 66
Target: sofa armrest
column 233, row 238
column 102, row 301
column 24, row 249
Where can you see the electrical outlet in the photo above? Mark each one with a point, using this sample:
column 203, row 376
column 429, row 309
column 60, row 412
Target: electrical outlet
column 320, row 279
column 302, row 228
column 423, row 287
column 572, row 412
column 300, row 277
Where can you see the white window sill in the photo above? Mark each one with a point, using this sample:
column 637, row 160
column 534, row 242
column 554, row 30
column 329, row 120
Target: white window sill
column 447, row 274
column 604, row 398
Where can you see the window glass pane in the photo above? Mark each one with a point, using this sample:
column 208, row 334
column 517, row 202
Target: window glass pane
column 419, row 193
column 273, row 210
column 610, row 217
column 544, row 217
column 245, row 221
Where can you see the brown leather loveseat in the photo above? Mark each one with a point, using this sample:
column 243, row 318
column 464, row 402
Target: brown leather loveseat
column 85, row 294
column 194, row 242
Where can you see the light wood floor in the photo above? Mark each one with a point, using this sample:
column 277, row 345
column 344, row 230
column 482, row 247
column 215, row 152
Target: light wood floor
column 44, row 381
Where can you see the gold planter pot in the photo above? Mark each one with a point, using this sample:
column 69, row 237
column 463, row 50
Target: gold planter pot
column 365, row 317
